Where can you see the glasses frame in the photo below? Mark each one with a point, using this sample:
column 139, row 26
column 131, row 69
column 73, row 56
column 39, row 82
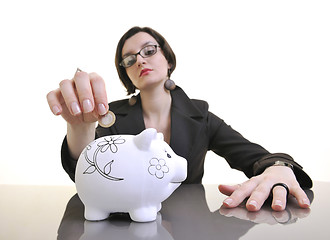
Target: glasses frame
column 139, row 53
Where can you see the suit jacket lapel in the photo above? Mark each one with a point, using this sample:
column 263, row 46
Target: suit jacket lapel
column 129, row 118
column 185, row 124
column 185, row 121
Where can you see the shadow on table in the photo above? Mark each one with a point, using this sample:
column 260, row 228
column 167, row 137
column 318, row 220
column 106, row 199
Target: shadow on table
column 184, row 215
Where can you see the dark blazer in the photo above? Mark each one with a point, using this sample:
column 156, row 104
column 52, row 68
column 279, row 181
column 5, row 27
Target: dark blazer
column 194, row 131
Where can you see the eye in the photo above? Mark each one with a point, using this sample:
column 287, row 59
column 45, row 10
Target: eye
column 149, row 51
column 130, row 60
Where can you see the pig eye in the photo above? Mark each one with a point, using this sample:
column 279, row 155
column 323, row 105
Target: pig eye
column 168, row 155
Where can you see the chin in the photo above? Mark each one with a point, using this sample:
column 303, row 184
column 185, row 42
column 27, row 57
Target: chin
column 150, row 85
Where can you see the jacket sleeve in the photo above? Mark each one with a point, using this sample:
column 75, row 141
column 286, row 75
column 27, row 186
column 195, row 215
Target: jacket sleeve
column 241, row 154
column 69, row 163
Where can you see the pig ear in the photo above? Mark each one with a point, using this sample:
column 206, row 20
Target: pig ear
column 144, row 139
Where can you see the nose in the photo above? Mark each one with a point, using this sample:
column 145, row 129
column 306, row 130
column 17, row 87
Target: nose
column 181, row 170
column 140, row 60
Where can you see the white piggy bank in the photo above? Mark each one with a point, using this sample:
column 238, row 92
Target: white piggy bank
column 127, row 173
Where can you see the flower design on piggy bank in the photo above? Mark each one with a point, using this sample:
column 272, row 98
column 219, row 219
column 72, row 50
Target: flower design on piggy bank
column 109, row 143
column 158, row 167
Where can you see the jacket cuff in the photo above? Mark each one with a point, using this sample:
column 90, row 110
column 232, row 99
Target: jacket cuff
column 302, row 177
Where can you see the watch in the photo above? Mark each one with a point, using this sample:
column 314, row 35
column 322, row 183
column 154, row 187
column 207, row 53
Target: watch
column 281, row 163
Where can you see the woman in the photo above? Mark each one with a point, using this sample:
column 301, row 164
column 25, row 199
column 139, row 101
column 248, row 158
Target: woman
column 145, row 61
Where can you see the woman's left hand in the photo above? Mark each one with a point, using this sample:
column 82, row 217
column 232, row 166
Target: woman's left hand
column 257, row 190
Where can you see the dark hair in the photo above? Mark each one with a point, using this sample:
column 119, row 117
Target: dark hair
column 167, row 50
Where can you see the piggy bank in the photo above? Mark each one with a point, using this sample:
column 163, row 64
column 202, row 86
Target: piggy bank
column 128, row 174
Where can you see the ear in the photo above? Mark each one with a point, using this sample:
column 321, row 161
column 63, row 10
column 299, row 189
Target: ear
column 144, row 139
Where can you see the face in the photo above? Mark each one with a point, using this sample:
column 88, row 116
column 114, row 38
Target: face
column 147, row 72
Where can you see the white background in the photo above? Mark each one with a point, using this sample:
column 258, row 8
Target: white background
column 263, row 66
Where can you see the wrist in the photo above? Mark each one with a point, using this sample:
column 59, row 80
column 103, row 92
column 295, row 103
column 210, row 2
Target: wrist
column 270, row 159
column 81, row 127
column 79, row 136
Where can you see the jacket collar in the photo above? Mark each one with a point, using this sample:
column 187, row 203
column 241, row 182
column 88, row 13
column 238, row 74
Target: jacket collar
column 180, row 102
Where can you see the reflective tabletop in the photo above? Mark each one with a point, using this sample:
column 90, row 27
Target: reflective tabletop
column 191, row 212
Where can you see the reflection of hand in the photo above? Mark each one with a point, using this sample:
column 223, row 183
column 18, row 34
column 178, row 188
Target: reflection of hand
column 258, row 189
column 266, row 214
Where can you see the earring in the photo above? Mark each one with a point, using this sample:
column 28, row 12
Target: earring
column 169, row 84
column 132, row 100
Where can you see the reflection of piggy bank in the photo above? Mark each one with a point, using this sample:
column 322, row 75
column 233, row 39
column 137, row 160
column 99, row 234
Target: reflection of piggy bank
column 127, row 173
column 125, row 230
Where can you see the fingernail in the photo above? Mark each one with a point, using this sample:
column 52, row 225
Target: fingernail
column 253, row 203
column 306, row 202
column 101, row 109
column 87, row 106
column 278, row 203
column 75, row 108
column 228, row 201
column 56, row 110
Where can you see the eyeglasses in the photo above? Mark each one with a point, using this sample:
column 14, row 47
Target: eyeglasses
column 145, row 52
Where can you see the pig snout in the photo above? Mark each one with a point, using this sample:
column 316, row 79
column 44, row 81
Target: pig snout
column 181, row 170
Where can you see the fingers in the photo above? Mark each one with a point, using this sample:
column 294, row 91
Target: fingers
column 279, row 198
column 53, row 99
column 92, row 93
column 240, row 193
column 258, row 197
column 258, row 192
column 301, row 196
column 228, row 189
column 100, row 95
column 68, row 91
column 84, row 91
column 84, row 94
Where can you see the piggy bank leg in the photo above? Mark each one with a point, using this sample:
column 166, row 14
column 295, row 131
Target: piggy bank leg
column 144, row 214
column 93, row 214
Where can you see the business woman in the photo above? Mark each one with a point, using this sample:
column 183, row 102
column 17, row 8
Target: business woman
column 145, row 62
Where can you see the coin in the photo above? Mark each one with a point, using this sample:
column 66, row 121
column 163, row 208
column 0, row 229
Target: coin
column 107, row 120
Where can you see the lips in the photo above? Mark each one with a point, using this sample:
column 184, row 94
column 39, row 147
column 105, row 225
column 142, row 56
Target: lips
column 145, row 71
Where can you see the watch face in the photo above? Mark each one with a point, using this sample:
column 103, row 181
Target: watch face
column 280, row 163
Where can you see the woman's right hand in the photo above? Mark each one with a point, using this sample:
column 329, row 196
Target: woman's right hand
column 80, row 100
